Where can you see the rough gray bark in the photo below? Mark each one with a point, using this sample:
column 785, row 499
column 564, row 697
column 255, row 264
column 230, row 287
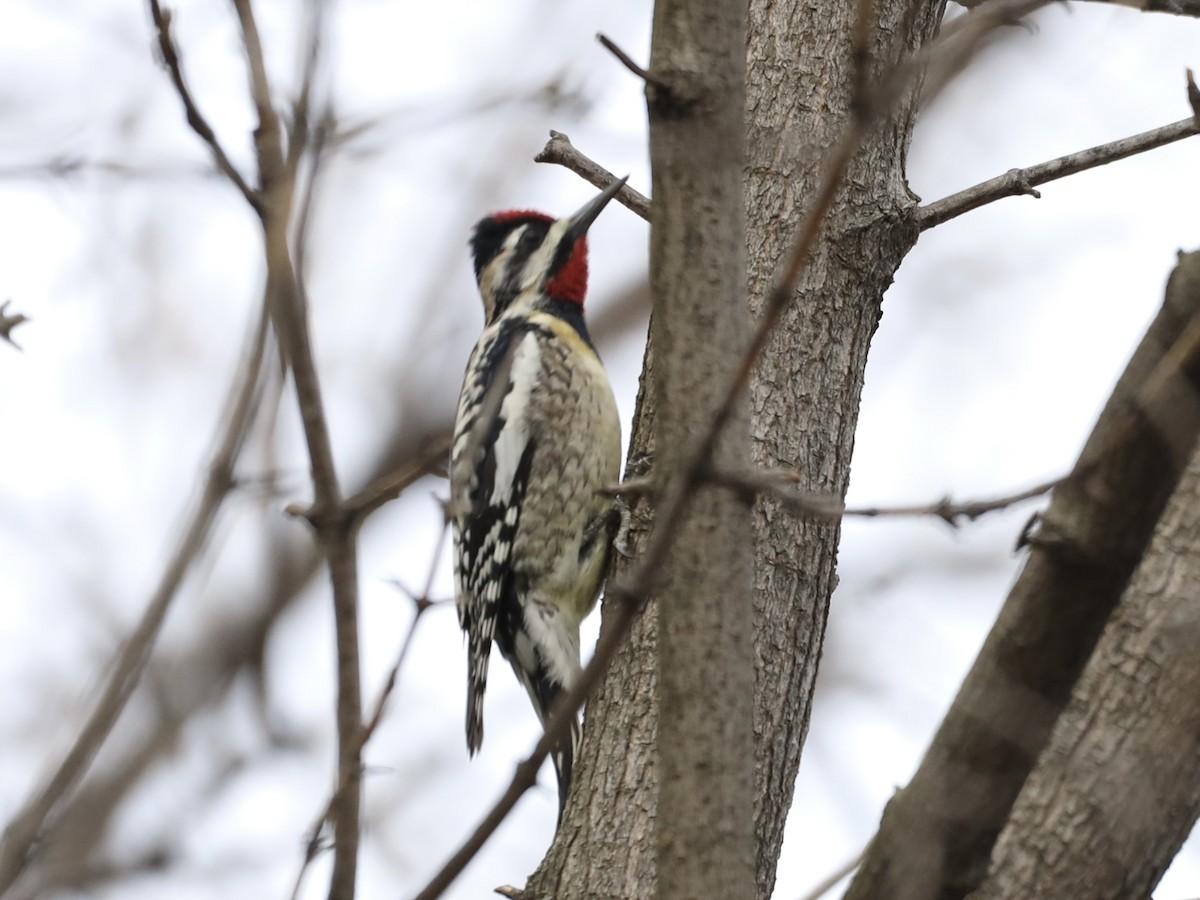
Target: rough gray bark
column 937, row 834
column 700, row 329
column 805, row 396
column 1118, row 789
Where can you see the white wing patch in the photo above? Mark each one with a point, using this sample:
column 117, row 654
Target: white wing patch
column 514, row 433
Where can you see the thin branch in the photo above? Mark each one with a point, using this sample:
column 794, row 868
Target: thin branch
column 627, row 61
column 561, row 152
column 195, row 119
column 387, row 488
column 1023, row 181
column 781, row 484
column 942, row 59
column 318, row 145
column 825, row 885
column 25, row 828
column 422, row 602
column 1189, row 8
column 298, row 133
column 1174, row 7
column 334, row 532
column 9, row 321
column 67, row 166
column 612, row 638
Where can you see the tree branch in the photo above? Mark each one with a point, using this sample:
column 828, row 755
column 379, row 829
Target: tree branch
column 298, row 133
column 313, row 846
column 826, row 884
column 25, row 828
column 335, row 533
column 560, row 151
column 1024, row 181
column 1174, row 7
column 781, row 484
column 1089, row 541
column 1118, row 788
column 9, row 321
column 705, row 653
column 389, row 486
column 195, row 119
column 627, row 61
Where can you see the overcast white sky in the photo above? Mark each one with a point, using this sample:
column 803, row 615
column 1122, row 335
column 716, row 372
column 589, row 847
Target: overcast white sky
column 999, row 342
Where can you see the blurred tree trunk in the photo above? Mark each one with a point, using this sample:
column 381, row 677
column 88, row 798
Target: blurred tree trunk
column 938, row 833
column 1118, row 789
column 804, row 406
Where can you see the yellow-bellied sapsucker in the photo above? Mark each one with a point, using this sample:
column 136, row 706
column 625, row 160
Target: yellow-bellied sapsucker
column 536, row 440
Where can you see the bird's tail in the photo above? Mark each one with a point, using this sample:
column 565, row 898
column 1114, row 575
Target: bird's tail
column 564, row 757
column 479, row 651
column 545, row 694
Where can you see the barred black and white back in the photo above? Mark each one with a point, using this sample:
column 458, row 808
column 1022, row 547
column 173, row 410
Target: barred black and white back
column 536, row 440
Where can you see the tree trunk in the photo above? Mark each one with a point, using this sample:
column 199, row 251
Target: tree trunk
column 806, row 393
column 700, row 330
column 1118, row 789
column 937, row 834
column 804, row 410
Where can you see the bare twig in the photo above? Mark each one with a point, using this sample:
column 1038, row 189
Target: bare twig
column 25, row 828
column 781, row 484
column 560, row 151
column 9, row 321
column 627, row 61
column 1023, row 181
column 421, row 603
column 298, row 133
column 1189, row 8
column 66, row 166
column 197, row 678
column 612, row 638
column 1193, row 95
column 388, row 487
column 942, row 59
column 334, row 532
column 825, row 885
column 195, row 119
column 318, row 145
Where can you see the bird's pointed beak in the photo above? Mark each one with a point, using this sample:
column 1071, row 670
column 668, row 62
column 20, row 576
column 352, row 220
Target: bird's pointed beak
column 582, row 220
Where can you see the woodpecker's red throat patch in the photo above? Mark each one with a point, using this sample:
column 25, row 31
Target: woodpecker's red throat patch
column 571, row 281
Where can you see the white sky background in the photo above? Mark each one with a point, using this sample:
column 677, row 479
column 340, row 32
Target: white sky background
column 999, row 342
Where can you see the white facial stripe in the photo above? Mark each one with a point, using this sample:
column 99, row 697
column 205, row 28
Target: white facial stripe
column 539, row 260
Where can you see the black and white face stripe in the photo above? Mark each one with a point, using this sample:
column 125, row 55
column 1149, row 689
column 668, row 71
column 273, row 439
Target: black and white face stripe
column 493, row 236
column 515, row 254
